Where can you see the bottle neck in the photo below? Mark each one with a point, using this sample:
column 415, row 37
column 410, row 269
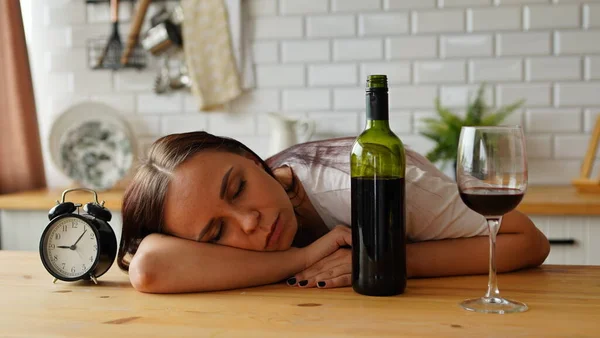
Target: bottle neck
column 377, row 108
column 378, row 124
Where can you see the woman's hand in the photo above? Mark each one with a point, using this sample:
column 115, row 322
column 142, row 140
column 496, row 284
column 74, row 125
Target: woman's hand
column 324, row 255
column 333, row 271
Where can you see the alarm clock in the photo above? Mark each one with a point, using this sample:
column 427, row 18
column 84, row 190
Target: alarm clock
column 78, row 246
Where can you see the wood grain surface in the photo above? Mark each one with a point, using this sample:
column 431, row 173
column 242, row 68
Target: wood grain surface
column 564, row 301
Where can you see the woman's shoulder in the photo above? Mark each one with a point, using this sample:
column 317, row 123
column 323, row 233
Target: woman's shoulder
column 332, row 156
column 334, row 152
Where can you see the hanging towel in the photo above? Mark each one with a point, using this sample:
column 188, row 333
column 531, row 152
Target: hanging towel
column 208, row 53
column 240, row 28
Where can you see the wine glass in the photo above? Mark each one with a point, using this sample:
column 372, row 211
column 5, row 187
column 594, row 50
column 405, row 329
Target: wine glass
column 492, row 179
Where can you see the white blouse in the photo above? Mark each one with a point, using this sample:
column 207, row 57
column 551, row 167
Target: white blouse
column 433, row 206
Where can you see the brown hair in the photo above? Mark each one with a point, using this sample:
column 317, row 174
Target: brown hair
column 144, row 198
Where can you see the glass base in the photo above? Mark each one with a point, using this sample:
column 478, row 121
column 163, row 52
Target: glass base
column 493, row 305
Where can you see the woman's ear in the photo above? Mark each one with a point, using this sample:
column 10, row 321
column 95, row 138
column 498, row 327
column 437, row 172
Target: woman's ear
column 284, row 175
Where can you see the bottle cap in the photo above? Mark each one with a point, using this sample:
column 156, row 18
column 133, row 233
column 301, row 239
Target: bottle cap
column 377, row 81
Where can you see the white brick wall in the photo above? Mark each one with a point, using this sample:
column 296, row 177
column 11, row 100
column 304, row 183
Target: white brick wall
column 278, row 27
column 265, row 52
column 335, row 124
column 466, row 45
column 439, row 71
column 553, row 120
column 311, row 59
column 332, row 74
column 305, row 51
column 354, row 5
column 331, row 26
column 302, row 7
column 407, row 4
column 411, row 47
column 279, row 75
column 534, row 43
column 357, row 49
column 548, row 17
column 553, row 68
column 306, row 99
column 593, row 12
column 577, row 42
column 507, row 69
column 496, row 19
column 438, row 21
column 262, row 7
column 381, row 24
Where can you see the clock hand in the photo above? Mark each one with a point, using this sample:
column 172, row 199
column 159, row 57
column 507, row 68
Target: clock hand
column 77, row 241
column 63, row 246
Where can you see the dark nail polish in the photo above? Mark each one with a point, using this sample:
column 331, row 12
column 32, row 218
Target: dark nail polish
column 291, row 281
column 303, row 283
column 321, row 284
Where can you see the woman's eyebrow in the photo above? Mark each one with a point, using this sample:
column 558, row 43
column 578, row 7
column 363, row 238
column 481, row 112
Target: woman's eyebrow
column 222, row 196
column 224, row 183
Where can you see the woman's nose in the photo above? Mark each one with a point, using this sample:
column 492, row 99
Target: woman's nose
column 249, row 220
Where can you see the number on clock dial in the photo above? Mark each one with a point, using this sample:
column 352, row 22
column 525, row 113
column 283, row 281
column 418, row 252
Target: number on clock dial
column 64, row 234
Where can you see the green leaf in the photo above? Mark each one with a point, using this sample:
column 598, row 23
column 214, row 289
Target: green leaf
column 477, row 109
column 445, row 130
column 500, row 115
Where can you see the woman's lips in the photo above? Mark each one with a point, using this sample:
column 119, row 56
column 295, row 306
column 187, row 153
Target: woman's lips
column 275, row 233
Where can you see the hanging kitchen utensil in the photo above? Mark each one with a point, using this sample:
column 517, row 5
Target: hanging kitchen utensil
column 162, row 37
column 138, row 20
column 110, row 58
column 160, row 16
column 162, row 80
column 182, row 79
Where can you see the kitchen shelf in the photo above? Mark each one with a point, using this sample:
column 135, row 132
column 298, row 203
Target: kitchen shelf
column 539, row 200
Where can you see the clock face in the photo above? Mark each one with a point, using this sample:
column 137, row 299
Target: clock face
column 70, row 247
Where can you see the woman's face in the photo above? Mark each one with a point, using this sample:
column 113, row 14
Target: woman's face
column 228, row 199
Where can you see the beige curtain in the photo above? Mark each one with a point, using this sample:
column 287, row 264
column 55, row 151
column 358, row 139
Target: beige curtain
column 21, row 164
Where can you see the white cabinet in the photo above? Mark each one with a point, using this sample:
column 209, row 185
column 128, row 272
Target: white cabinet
column 22, row 229
column 583, row 230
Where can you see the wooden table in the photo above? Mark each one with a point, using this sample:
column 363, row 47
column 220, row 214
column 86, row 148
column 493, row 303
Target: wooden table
column 564, row 301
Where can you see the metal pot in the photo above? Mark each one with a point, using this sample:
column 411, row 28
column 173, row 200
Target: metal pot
column 162, row 37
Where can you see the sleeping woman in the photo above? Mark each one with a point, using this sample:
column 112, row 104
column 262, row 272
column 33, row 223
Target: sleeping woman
column 205, row 213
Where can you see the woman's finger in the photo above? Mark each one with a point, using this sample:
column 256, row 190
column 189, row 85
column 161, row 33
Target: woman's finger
column 342, row 256
column 329, row 274
column 336, row 282
column 340, row 236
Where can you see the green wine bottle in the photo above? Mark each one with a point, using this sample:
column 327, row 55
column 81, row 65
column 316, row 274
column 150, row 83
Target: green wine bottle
column 377, row 168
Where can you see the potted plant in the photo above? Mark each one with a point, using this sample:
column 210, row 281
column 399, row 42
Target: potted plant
column 445, row 130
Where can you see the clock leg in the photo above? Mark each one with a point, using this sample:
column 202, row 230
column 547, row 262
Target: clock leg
column 93, row 278
column 54, row 281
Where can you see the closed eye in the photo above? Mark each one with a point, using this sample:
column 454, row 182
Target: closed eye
column 240, row 189
column 219, row 233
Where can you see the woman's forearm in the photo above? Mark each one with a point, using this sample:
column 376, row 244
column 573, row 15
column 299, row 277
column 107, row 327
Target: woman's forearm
column 519, row 244
column 165, row 264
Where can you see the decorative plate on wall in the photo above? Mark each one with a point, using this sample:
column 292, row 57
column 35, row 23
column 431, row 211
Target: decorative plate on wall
column 93, row 145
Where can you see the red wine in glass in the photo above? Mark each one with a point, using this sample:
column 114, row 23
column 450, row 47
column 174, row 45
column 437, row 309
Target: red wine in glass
column 491, row 201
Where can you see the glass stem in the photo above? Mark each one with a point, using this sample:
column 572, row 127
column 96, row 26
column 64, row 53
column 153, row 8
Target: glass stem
column 493, row 226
